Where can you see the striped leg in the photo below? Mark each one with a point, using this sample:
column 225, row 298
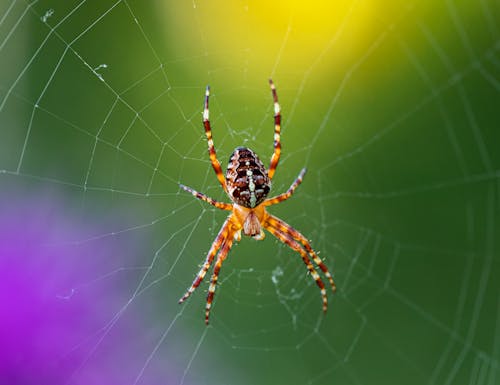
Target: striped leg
column 228, row 242
column 277, row 131
column 288, row 194
column 287, row 229
column 294, row 245
column 219, row 240
column 211, row 147
column 203, row 197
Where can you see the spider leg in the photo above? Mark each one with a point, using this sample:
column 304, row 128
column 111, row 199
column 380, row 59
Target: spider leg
column 211, row 147
column 277, row 131
column 203, row 197
column 287, row 229
column 228, row 242
column 219, row 240
column 288, row 193
column 294, row 245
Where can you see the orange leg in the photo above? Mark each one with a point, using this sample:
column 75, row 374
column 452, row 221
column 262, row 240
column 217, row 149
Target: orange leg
column 288, row 193
column 277, row 132
column 203, row 197
column 219, row 240
column 287, row 229
column 211, row 147
column 288, row 240
column 228, row 242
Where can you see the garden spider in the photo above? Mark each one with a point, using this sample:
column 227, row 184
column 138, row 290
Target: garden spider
column 247, row 183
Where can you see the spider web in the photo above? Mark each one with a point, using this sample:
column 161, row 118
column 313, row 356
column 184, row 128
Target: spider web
column 393, row 110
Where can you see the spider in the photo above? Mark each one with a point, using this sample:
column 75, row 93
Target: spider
column 247, row 183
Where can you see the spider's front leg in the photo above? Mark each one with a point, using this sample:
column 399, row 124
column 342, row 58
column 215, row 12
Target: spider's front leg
column 297, row 242
column 219, row 240
column 222, row 244
column 287, row 229
column 294, row 245
column 228, row 242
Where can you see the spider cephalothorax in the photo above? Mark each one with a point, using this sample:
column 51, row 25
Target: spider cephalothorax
column 247, row 183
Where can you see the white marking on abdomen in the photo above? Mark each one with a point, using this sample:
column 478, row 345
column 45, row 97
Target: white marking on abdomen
column 251, row 187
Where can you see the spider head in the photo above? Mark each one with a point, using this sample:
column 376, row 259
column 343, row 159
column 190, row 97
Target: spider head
column 246, row 177
column 251, row 220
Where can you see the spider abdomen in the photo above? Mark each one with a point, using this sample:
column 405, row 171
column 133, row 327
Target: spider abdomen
column 247, row 181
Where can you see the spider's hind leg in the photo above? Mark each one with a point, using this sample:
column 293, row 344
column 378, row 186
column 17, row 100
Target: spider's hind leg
column 277, row 132
column 211, row 147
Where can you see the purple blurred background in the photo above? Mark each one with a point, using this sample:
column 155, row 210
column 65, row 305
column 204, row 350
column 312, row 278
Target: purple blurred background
column 59, row 292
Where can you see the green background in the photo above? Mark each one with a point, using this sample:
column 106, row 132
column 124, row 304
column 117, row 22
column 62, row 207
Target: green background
column 392, row 107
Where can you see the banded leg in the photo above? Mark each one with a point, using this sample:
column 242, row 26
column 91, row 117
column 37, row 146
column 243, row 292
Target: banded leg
column 288, row 193
column 203, row 197
column 294, row 245
column 277, row 132
column 219, row 240
column 287, row 229
column 211, row 147
column 215, row 275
